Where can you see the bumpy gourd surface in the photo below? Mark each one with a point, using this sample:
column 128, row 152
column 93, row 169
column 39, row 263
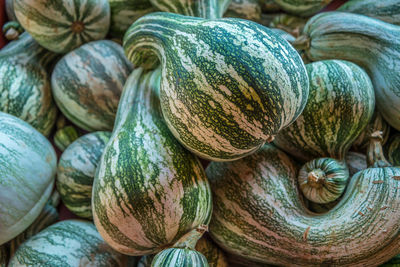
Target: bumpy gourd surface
column 340, row 105
column 148, row 190
column 70, row 243
column 87, row 84
column 302, row 7
column 368, row 42
column 222, row 100
column 62, row 26
column 179, row 257
column 258, row 214
column 76, row 170
column 28, row 167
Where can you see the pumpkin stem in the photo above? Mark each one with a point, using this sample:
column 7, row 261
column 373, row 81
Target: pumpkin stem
column 189, row 240
column 316, row 178
column 375, row 157
column 302, row 43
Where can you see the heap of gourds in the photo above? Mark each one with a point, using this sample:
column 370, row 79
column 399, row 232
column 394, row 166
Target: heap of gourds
column 289, row 109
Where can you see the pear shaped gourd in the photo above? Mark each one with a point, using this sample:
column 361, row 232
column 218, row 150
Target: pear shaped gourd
column 28, row 167
column 221, row 99
column 148, row 190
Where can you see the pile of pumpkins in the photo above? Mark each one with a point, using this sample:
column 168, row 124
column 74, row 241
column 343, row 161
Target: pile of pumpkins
column 200, row 133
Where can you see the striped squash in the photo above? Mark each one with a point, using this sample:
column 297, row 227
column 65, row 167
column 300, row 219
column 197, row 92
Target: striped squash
column 222, row 100
column 61, row 26
column 362, row 230
column 65, row 136
column 368, row 42
column 386, row 10
column 88, row 91
column 25, row 85
column 71, row 243
column 125, row 12
column 76, row 169
column 302, row 8
column 323, row 180
column 28, row 167
column 148, row 190
column 340, row 105
column 244, row 9
column 393, row 150
column 355, row 162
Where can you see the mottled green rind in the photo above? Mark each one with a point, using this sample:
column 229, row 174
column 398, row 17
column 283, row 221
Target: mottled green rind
column 304, row 8
column 51, row 23
column 393, row 150
column 222, row 100
column 76, row 170
column 28, row 168
column 179, row 257
column 355, row 162
column 340, row 105
column 87, row 84
column 386, row 10
column 70, row 243
column 244, row 9
column 125, row 12
column 332, row 174
column 368, row 42
column 65, row 136
column 214, row 255
column 148, row 190
column 258, row 214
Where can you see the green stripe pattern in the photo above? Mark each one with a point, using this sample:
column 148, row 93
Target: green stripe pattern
column 340, row 105
column 387, row 10
column 179, row 257
column 62, row 26
column 71, row 243
column 76, row 170
column 368, row 42
column 302, row 8
column 28, row 168
column 222, row 100
column 65, row 136
column 88, row 91
column 148, row 190
column 258, row 214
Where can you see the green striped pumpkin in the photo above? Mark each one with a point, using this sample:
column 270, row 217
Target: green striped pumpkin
column 244, row 9
column 386, row 10
column 393, row 150
column 68, row 243
column 25, row 84
column 148, row 190
column 340, row 105
column 302, row 8
column 88, row 91
column 222, row 100
column 125, row 12
column 323, row 180
column 259, row 215
column 28, row 167
column 355, row 162
column 368, row 42
column 61, row 26
column 65, row 136
column 76, row 170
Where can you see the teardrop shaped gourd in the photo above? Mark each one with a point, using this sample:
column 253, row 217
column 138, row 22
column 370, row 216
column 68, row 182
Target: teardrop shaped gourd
column 302, row 8
column 76, row 170
column 393, row 150
column 258, row 214
column 340, row 105
column 222, row 100
column 87, row 84
column 368, row 42
column 61, row 26
column 148, row 190
column 28, row 167
column 71, row 243
column 25, row 83
column 323, row 180
column 387, row 10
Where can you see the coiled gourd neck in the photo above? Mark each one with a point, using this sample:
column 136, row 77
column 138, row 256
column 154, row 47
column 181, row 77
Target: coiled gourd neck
column 375, row 156
column 303, row 42
column 189, row 240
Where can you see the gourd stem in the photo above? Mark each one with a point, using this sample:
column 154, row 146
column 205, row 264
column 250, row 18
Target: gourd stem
column 302, row 42
column 316, row 178
column 11, row 34
column 189, row 240
column 375, row 157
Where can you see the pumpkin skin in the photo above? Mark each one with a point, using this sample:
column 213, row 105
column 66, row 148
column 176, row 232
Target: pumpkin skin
column 88, row 91
column 179, row 257
column 76, row 170
column 282, row 232
column 226, row 105
column 330, row 122
column 393, row 150
column 62, row 26
column 148, row 190
column 67, row 243
column 368, row 42
column 302, row 8
column 388, row 10
column 26, row 177
column 355, row 162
